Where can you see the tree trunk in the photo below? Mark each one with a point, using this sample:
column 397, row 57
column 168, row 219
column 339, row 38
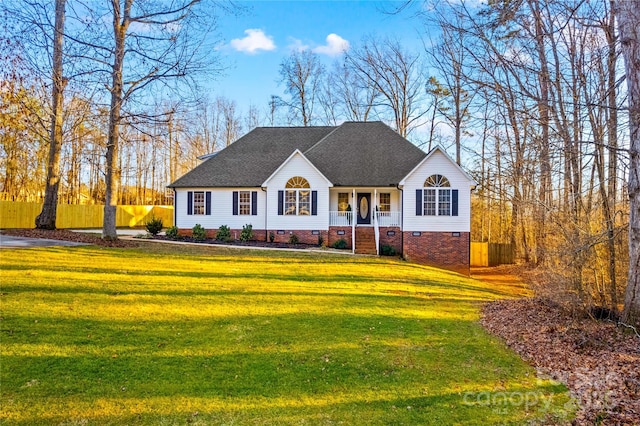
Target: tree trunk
column 112, row 177
column 47, row 217
column 628, row 13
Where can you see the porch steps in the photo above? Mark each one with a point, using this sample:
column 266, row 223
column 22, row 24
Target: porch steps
column 365, row 240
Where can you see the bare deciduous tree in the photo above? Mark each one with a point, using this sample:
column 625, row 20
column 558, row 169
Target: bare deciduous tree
column 397, row 75
column 47, row 217
column 160, row 48
column 628, row 14
column 301, row 73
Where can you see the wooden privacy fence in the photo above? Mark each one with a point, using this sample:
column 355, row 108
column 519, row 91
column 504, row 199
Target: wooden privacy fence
column 16, row 214
column 491, row 254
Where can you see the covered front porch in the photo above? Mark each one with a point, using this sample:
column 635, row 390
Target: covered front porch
column 366, row 205
column 368, row 217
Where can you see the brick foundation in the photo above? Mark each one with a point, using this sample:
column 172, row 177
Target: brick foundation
column 394, row 241
column 333, row 235
column 440, row 249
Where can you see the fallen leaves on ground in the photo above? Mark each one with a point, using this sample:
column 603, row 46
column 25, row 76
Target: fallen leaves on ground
column 66, row 235
column 597, row 360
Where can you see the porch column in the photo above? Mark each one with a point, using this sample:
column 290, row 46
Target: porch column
column 353, row 220
column 375, row 200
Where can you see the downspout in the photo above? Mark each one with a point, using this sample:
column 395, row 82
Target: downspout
column 266, row 213
column 401, row 218
column 175, row 207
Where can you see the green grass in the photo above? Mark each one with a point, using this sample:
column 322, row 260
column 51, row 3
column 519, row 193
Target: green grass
column 171, row 335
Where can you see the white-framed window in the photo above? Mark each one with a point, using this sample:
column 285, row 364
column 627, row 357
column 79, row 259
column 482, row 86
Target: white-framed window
column 297, row 197
column 430, row 203
column 343, row 201
column 444, row 202
column 385, row 202
column 198, row 202
column 437, row 196
column 244, row 202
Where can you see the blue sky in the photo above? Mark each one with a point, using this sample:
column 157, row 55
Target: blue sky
column 255, row 42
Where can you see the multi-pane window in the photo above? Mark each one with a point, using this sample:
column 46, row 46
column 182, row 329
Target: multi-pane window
column 304, row 202
column 297, row 197
column 437, row 196
column 343, row 201
column 244, row 202
column 291, row 202
column 430, row 202
column 444, row 202
column 198, row 202
column 385, row 202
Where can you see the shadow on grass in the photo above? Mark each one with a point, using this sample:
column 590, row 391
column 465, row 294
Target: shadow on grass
column 409, row 297
column 117, row 337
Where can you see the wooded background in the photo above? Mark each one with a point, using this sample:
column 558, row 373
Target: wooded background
column 527, row 95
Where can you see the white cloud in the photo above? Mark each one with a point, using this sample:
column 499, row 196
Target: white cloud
column 335, row 46
column 255, row 41
column 297, row 45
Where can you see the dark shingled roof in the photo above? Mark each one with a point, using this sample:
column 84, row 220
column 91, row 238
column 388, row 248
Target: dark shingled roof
column 353, row 154
column 364, row 154
column 250, row 160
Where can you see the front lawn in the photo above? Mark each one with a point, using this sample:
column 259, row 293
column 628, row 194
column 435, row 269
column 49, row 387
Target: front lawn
column 175, row 335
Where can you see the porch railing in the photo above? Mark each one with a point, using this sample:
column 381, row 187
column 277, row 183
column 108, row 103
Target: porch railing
column 340, row 218
column 388, row 218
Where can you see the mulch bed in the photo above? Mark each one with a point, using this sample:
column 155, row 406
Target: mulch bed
column 251, row 243
column 597, row 360
column 80, row 237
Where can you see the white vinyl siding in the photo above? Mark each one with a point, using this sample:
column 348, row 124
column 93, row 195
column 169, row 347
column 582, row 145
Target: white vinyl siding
column 221, row 209
column 437, row 163
column 298, row 166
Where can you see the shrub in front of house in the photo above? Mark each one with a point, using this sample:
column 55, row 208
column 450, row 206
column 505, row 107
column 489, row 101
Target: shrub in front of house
column 198, row 232
column 387, row 250
column 172, row 233
column 340, row 244
column 293, row 239
column 223, row 234
column 154, row 225
column 272, row 237
column 247, row 233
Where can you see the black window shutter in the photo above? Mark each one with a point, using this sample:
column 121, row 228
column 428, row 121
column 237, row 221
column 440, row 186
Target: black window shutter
column 190, row 202
column 254, row 203
column 235, row 203
column 454, row 202
column 280, row 203
column 208, row 203
column 418, row 202
column 314, row 203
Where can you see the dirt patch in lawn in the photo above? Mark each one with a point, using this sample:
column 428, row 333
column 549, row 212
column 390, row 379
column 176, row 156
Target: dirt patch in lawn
column 598, row 361
column 65, row 235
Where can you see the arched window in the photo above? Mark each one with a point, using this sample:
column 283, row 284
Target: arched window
column 437, row 196
column 437, row 181
column 297, row 197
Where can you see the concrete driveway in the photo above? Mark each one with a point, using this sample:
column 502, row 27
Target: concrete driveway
column 8, row 242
